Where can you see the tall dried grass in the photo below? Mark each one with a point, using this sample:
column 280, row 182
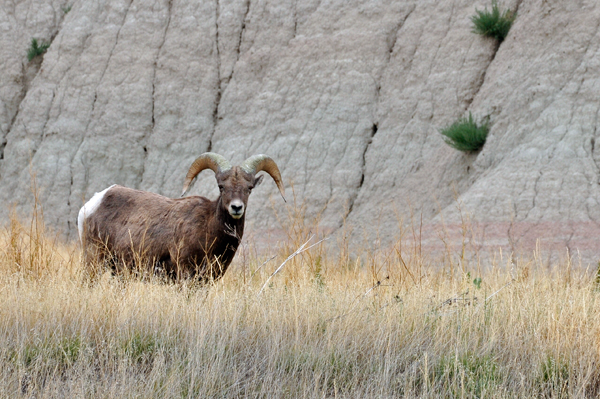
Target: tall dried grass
column 386, row 323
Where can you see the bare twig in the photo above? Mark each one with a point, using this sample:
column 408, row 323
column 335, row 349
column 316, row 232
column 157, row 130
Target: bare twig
column 298, row 251
column 264, row 263
column 499, row 289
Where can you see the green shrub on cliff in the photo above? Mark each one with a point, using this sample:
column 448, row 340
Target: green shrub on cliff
column 465, row 134
column 494, row 23
column 36, row 49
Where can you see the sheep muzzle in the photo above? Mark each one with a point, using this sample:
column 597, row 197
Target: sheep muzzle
column 236, row 209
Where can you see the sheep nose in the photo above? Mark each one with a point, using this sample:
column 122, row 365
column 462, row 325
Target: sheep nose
column 236, row 209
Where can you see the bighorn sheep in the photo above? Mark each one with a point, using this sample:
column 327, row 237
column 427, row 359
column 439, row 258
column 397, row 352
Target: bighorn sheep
column 185, row 237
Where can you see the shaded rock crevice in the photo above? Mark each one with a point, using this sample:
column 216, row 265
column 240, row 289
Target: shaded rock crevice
column 86, row 130
column 440, row 42
column 2, row 147
column 40, row 137
column 106, row 65
column 19, row 101
column 223, row 81
column 29, row 71
column 374, row 129
column 295, row 17
column 240, row 40
column 108, row 59
column 535, row 194
column 155, row 67
column 391, row 39
column 593, row 153
column 218, row 85
column 481, row 79
column 495, row 50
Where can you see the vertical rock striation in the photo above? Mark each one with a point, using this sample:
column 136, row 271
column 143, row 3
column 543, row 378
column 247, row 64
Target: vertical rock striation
column 347, row 96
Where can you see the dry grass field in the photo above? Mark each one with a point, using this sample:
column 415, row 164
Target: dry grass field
column 384, row 324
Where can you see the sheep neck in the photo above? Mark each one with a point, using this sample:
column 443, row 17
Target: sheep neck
column 228, row 233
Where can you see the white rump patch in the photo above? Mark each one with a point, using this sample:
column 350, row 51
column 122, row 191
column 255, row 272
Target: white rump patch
column 89, row 208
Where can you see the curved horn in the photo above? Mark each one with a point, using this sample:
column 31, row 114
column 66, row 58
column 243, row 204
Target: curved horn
column 208, row 160
column 257, row 163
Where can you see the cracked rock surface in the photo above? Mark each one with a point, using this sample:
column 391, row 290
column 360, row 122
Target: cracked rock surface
column 348, row 97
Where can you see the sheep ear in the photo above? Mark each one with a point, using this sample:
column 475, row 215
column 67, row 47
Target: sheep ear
column 258, row 180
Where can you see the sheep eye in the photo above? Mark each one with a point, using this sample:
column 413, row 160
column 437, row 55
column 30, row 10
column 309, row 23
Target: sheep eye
column 220, row 188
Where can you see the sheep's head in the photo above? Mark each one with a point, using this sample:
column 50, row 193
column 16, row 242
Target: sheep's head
column 235, row 183
column 235, row 186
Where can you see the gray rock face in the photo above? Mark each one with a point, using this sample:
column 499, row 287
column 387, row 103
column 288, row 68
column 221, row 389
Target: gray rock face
column 347, row 96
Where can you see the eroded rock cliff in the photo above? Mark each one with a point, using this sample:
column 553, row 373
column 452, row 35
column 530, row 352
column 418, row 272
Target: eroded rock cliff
column 347, row 96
